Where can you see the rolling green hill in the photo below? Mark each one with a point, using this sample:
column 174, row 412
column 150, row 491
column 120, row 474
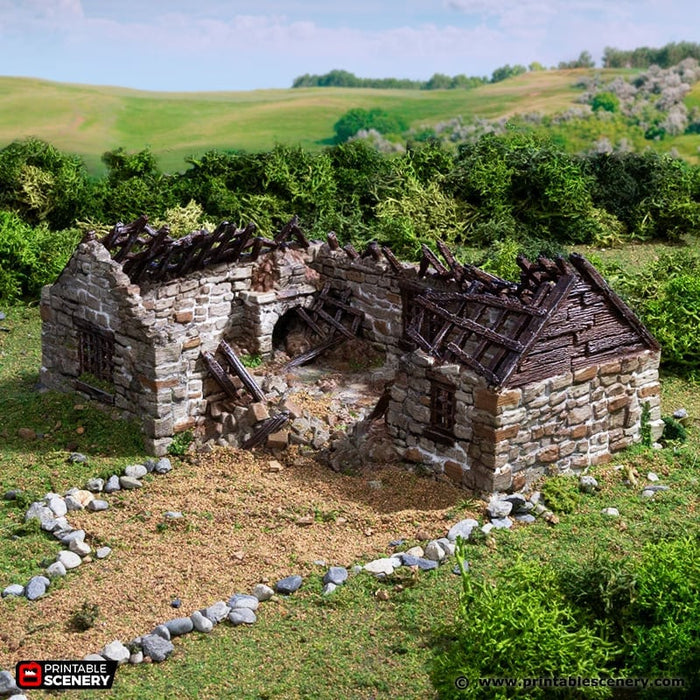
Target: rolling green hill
column 89, row 120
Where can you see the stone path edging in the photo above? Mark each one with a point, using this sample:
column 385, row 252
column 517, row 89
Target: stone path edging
column 241, row 608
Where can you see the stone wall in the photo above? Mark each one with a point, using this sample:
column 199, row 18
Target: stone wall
column 503, row 439
column 160, row 331
column 93, row 288
column 378, row 292
column 408, row 414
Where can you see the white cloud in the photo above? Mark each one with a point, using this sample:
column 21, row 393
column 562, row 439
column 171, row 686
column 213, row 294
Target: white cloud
column 268, row 42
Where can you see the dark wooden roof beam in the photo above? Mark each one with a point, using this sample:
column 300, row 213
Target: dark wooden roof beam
column 470, row 325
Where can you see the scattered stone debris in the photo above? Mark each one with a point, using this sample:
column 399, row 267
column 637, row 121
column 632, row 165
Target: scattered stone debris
column 587, row 484
column 51, row 514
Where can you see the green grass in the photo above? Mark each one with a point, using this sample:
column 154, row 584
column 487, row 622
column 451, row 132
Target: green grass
column 38, row 465
column 88, row 120
column 350, row 644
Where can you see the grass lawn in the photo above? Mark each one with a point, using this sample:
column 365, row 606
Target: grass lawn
column 89, row 120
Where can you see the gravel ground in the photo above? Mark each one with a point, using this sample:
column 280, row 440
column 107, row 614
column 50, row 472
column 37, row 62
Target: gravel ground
column 242, row 524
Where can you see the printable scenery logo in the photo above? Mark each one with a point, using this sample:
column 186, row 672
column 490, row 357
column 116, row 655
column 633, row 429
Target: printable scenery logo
column 65, row 675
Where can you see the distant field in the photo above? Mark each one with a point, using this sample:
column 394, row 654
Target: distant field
column 89, row 120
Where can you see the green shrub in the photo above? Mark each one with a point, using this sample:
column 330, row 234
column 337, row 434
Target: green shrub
column 607, row 101
column 42, row 184
column 666, row 295
column 31, row 257
column 673, row 317
column 251, row 361
column 501, row 259
column 522, row 627
column 182, row 220
column 673, row 429
column 416, row 213
column 357, row 119
column 561, row 493
column 602, row 588
column 181, row 443
column 84, row 617
column 663, row 637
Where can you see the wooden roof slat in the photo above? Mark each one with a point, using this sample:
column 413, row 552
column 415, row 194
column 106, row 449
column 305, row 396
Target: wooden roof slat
column 332, row 239
column 433, row 260
column 471, row 362
column 468, row 324
column 455, row 267
column 395, row 263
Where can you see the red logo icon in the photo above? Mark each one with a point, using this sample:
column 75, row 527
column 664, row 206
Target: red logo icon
column 29, row 674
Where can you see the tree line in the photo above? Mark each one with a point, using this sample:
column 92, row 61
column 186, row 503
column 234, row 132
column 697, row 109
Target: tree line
column 343, row 78
column 641, row 57
column 644, row 56
column 489, row 200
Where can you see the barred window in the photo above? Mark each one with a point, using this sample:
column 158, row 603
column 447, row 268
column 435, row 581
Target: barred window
column 95, row 352
column 442, row 411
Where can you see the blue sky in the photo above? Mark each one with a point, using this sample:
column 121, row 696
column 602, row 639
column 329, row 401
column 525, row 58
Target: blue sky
column 248, row 44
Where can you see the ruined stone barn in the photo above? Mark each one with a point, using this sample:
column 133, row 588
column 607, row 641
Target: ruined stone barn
column 509, row 381
column 497, row 383
column 133, row 318
column 493, row 382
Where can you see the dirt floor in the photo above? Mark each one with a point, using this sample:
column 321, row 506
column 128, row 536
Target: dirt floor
column 243, row 523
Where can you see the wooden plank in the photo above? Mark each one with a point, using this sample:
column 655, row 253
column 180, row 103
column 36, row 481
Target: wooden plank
column 94, row 393
column 474, row 364
column 304, row 315
column 396, row 265
column 221, row 377
column 455, row 267
column 204, row 251
column 286, row 230
column 344, row 306
column 351, row 252
column 374, row 251
column 470, row 325
column 329, row 342
column 335, row 323
column 415, row 335
column 423, row 266
column 127, row 245
column 492, row 283
column 554, row 301
column 433, row 260
column 505, row 303
column 139, row 268
column 599, row 345
column 267, row 427
column 612, row 328
column 235, row 244
column 332, row 240
column 537, row 373
column 484, row 343
column 243, row 374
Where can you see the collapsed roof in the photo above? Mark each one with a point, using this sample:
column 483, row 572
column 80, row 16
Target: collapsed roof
column 560, row 316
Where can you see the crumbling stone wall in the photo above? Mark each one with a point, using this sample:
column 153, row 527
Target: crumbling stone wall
column 161, row 330
column 505, row 438
column 93, row 288
column 378, row 291
column 375, row 292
